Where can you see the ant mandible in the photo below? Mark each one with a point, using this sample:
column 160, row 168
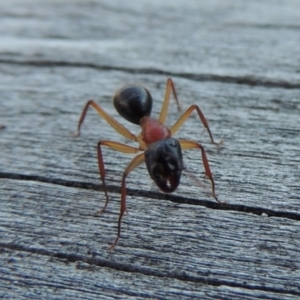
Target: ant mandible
column 161, row 152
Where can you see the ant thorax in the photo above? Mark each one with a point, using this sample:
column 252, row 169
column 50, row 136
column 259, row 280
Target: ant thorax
column 153, row 130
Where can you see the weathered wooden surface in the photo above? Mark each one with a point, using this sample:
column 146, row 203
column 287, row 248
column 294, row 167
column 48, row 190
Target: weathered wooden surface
column 238, row 61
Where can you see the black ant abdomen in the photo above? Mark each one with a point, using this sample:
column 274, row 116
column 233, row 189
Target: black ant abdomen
column 133, row 103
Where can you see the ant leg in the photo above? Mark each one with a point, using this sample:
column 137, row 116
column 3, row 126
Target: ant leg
column 189, row 145
column 116, row 146
column 133, row 164
column 111, row 121
column 164, row 110
column 184, row 117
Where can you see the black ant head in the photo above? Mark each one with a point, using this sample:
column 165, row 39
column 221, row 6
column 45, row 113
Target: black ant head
column 164, row 163
column 133, row 103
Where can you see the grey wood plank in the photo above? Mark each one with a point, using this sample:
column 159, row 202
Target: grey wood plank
column 258, row 165
column 180, row 242
column 49, row 278
column 39, row 145
column 254, row 42
column 238, row 62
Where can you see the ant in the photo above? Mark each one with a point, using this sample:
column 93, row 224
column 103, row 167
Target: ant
column 161, row 152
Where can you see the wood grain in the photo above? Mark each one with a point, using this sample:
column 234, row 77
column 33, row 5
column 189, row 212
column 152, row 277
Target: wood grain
column 237, row 61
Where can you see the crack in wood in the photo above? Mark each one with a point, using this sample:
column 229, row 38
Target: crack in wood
column 155, row 195
column 182, row 276
column 243, row 80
